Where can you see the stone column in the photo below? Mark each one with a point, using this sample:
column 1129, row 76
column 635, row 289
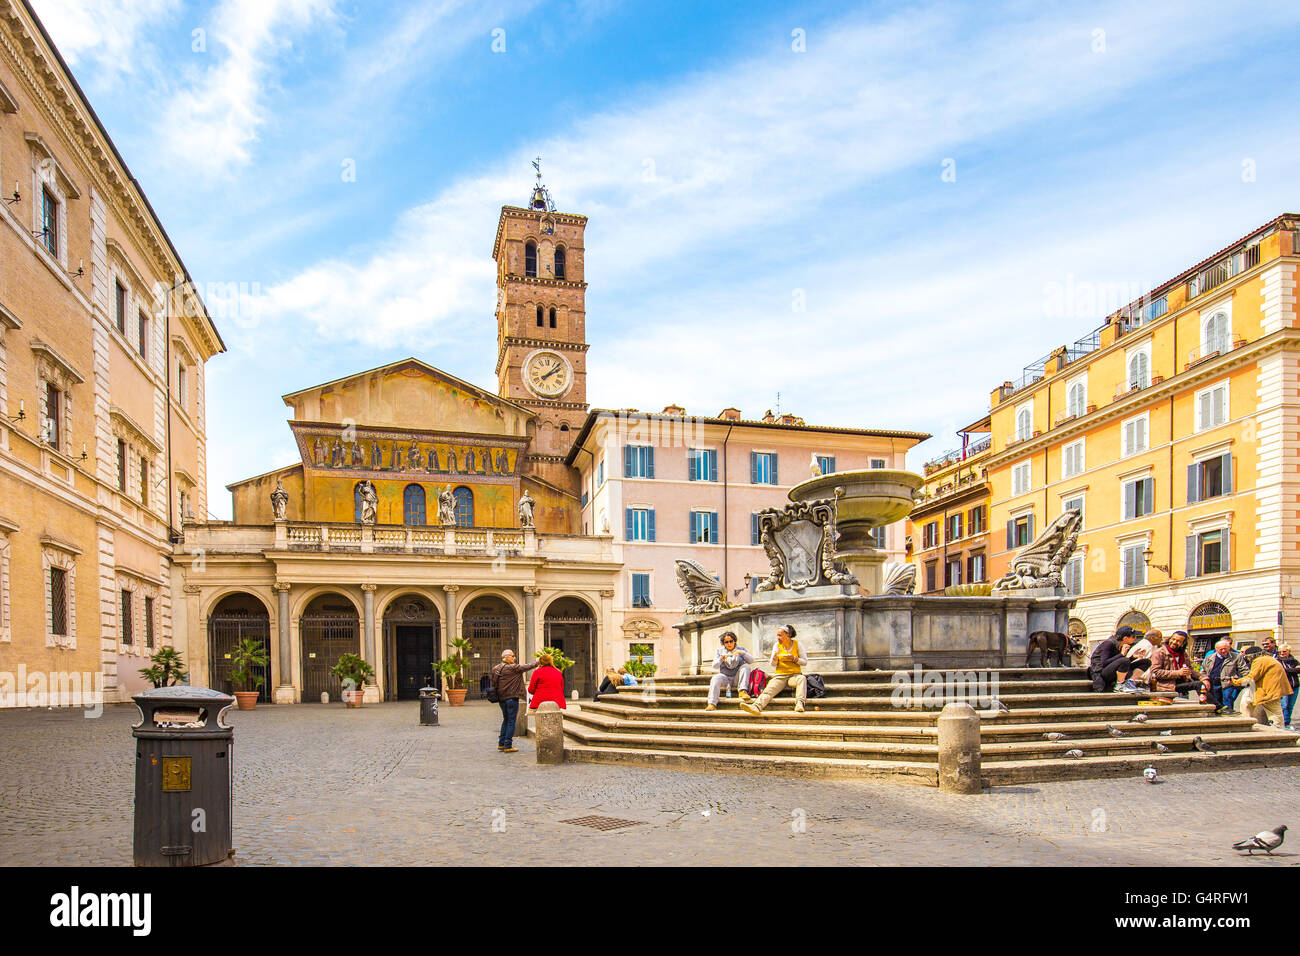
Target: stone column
column 284, row 691
column 372, row 692
column 603, row 639
column 530, row 623
column 550, row 733
column 449, row 616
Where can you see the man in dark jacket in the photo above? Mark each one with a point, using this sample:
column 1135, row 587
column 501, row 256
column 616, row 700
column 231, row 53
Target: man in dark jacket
column 508, row 679
column 1110, row 665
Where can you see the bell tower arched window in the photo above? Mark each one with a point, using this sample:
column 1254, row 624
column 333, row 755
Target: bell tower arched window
column 541, row 317
column 530, row 259
column 559, row 262
column 552, row 318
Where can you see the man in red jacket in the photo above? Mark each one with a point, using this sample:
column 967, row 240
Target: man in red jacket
column 508, row 678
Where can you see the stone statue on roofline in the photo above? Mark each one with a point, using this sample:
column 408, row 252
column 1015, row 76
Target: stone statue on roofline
column 279, row 501
column 446, row 507
column 526, row 510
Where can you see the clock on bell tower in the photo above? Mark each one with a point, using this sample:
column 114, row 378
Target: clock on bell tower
column 541, row 324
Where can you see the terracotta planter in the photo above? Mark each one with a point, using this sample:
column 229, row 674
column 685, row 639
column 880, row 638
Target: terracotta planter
column 246, row 699
column 456, row 696
column 353, row 698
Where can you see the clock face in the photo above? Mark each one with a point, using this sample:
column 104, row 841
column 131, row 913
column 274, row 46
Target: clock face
column 547, row 373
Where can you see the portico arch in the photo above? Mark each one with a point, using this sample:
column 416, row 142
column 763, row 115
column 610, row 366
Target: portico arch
column 412, row 643
column 490, row 622
column 328, row 627
column 235, row 617
column 569, row 624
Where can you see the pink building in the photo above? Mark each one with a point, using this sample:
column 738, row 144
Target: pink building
column 667, row 486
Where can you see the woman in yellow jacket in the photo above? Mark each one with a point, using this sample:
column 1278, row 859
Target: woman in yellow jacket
column 787, row 669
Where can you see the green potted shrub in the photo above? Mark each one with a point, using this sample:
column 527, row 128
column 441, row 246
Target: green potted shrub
column 166, row 668
column 637, row 665
column 454, row 669
column 246, row 662
column 354, row 672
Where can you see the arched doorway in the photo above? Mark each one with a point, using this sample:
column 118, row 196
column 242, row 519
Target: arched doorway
column 570, row 626
column 238, row 617
column 490, row 625
column 411, row 639
column 327, row 629
column 1205, row 625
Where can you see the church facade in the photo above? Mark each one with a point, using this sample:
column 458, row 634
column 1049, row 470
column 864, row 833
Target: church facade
column 423, row 508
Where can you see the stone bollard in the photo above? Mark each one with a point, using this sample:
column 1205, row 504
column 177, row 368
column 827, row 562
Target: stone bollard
column 549, row 731
column 959, row 750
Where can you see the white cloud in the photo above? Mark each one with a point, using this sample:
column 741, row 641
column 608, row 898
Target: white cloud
column 106, row 32
column 211, row 125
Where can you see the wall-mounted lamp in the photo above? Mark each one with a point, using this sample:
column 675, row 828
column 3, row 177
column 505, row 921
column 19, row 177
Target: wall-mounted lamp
column 10, row 200
column 749, row 578
column 83, row 452
column 22, row 412
column 1147, row 555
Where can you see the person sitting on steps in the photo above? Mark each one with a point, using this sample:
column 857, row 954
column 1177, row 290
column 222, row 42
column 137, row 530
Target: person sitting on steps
column 732, row 665
column 787, row 669
column 1110, row 663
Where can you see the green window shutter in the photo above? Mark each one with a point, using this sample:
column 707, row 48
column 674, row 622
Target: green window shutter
column 628, row 452
column 1193, row 565
column 755, row 533
column 1193, row 483
column 650, row 462
column 753, row 467
column 713, row 526
column 631, row 528
column 713, row 466
column 650, row 524
column 1225, row 551
column 1011, row 535
column 772, row 479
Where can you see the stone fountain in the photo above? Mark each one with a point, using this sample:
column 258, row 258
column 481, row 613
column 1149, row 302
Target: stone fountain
column 828, row 578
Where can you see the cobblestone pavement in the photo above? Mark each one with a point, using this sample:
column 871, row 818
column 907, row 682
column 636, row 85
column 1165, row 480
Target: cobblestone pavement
column 320, row 785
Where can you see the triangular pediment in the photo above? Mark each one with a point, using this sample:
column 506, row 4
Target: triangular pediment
column 410, row 394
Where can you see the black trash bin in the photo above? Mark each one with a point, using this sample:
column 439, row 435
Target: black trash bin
column 183, row 753
column 429, row 706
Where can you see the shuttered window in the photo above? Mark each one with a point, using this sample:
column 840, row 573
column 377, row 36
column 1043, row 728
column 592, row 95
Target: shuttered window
column 640, row 524
column 1209, row 478
column 702, row 464
column 704, row 527
column 638, row 461
column 755, row 532
column 1139, row 498
column 1133, row 569
column 640, row 589
column 1135, row 436
column 1212, row 407
column 128, row 625
column 1072, row 460
column 1021, row 478
column 762, row 467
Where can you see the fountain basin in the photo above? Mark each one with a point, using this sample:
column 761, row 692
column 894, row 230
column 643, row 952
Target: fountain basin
column 873, row 498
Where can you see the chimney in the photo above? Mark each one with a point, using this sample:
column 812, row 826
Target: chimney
column 674, row 410
column 730, row 414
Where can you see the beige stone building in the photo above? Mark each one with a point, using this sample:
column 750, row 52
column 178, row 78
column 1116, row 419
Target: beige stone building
column 103, row 343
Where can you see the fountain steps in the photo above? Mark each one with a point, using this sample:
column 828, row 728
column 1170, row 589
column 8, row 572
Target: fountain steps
column 857, row 734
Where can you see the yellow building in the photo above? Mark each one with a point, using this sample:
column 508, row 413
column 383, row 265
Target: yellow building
column 103, row 342
column 948, row 530
column 1174, row 429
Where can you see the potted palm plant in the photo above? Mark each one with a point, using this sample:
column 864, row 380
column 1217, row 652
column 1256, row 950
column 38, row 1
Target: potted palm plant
column 246, row 665
column 454, row 668
column 354, row 672
column 165, row 669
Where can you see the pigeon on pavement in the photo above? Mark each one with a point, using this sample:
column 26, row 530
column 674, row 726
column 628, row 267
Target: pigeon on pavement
column 1150, row 775
column 1054, row 735
column 1202, row 746
column 1075, row 754
column 1160, row 748
column 1138, row 719
column 999, row 707
column 1266, row 840
column 1115, row 731
column 1166, row 733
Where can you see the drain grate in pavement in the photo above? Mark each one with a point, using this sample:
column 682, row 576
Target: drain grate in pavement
column 604, row 823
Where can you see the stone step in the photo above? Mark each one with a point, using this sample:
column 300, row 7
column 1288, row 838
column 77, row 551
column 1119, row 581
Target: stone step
column 1001, row 774
column 793, row 729
column 894, row 771
column 875, row 689
column 885, row 676
column 1014, row 701
column 1231, row 740
column 1115, row 711
column 1011, row 772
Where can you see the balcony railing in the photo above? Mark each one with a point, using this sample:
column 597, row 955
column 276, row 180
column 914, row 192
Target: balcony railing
column 1211, row 350
column 958, row 455
column 303, row 536
column 1223, row 270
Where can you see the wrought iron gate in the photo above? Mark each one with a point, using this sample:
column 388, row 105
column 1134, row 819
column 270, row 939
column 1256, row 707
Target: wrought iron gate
column 225, row 632
column 488, row 637
column 325, row 638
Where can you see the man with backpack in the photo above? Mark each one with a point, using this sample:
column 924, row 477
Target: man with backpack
column 508, row 686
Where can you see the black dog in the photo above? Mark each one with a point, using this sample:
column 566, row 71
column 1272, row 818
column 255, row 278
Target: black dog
column 1054, row 641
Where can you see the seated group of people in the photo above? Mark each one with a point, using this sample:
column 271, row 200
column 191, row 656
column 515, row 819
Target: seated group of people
column 733, row 666
column 1131, row 658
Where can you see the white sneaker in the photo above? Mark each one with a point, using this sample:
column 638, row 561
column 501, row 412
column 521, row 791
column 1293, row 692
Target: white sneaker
column 798, row 707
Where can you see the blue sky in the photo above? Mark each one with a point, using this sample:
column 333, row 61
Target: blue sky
column 729, row 177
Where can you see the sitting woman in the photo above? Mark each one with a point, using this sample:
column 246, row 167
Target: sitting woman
column 610, row 683
column 626, row 678
column 547, row 683
column 731, row 665
column 787, row 669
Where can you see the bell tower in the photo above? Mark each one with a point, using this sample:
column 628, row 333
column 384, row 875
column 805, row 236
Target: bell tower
column 541, row 325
